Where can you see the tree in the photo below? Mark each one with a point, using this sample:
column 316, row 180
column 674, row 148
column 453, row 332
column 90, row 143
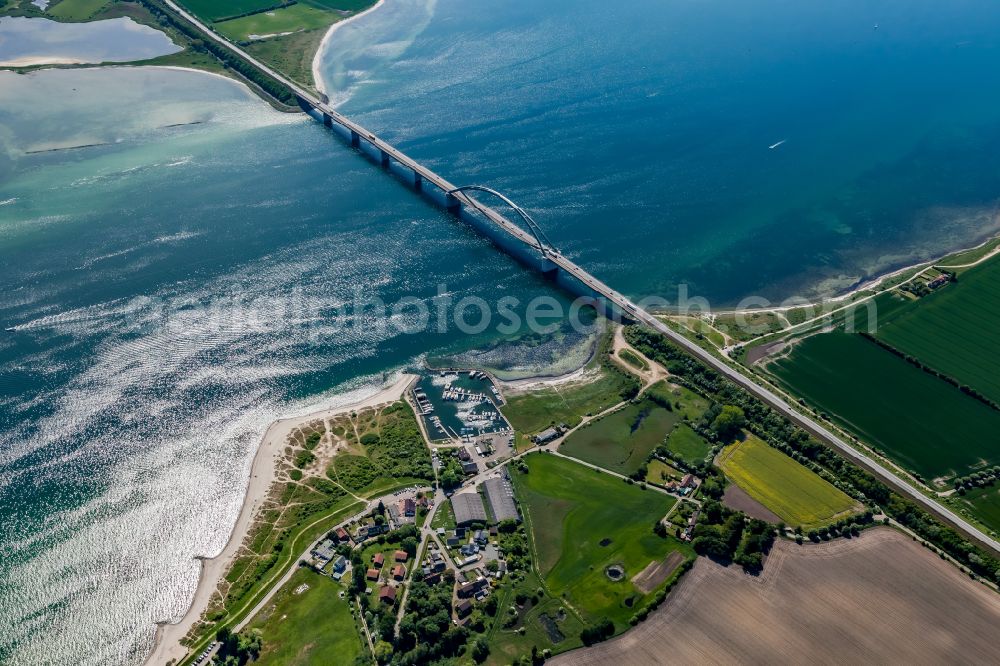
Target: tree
column 449, row 479
column 383, row 652
column 598, row 632
column 729, row 422
column 480, row 650
column 409, row 545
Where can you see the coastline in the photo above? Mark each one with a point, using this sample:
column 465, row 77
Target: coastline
column 263, row 472
column 318, row 81
column 872, row 283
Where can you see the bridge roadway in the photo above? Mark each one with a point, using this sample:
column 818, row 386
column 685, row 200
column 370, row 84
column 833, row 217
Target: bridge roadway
column 625, row 305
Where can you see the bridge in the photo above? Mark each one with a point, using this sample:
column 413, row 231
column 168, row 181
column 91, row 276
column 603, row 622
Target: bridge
column 553, row 261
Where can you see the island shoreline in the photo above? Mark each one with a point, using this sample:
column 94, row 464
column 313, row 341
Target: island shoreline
column 318, row 81
column 263, row 473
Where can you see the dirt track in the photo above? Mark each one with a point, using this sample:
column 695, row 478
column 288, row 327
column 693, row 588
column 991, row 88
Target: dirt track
column 879, row 598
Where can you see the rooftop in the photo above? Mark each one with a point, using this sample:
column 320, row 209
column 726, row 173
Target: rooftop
column 468, row 508
column 500, row 495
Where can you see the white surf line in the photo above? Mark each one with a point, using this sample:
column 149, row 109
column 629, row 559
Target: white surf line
column 317, row 77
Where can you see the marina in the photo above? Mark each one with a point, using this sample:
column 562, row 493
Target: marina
column 460, row 405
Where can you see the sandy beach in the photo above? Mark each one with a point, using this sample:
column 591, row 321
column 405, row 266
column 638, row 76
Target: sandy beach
column 262, row 474
column 317, row 78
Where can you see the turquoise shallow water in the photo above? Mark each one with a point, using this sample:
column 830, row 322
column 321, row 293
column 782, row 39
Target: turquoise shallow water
column 184, row 280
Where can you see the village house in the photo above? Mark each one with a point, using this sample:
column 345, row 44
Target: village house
column 399, row 572
column 473, row 587
column 387, row 594
column 378, row 560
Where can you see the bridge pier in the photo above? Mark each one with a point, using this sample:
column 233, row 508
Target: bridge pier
column 453, row 205
column 327, row 120
column 355, row 139
column 385, row 160
column 418, row 182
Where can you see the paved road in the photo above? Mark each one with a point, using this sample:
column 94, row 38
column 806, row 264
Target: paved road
column 620, row 301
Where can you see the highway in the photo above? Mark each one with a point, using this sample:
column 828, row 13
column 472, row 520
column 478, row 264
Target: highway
column 625, row 305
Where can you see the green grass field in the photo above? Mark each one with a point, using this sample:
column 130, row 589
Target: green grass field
column 688, row 445
column 287, row 19
column 571, row 510
column 661, row 473
column 76, row 10
column 686, row 402
column 954, row 330
column 920, row 421
column 314, row 626
column 633, row 359
column 795, row 494
column 622, row 441
column 212, row 10
column 984, row 504
column 535, row 411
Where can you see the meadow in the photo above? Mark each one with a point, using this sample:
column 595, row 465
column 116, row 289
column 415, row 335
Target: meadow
column 661, row 473
column 583, row 521
column 984, row 504
column 954, row 330
column 795, row 494
column 510, row 643
column 633, row 359
column 622, row 441
column 287, row 19
column 311, row 626
column 213, row 10
column 688, row 445
column 534, row 411
column 923, row 423
column 76, row 10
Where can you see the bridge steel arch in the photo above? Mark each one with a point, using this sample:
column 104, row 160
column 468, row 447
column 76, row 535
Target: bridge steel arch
column 545, row 246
